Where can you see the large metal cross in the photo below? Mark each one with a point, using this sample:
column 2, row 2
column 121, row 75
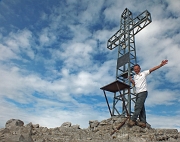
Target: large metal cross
column 125, row 41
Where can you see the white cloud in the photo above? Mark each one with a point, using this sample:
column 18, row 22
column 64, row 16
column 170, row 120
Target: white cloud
column 56, row 116
column 18, row 43
column 173, row 6
column 166, row 122
column 47, row 37
column 161, row 97
column 6, row 53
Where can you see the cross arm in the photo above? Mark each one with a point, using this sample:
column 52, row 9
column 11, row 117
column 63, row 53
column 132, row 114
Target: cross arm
column 139, row 23
column 113, row 42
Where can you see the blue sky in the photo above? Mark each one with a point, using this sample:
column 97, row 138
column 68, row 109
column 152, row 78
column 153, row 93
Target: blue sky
column 54, row 60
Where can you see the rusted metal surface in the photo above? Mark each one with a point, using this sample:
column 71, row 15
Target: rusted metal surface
column 115, row 86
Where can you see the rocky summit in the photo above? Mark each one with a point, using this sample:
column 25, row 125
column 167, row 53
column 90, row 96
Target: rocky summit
column 114, row 129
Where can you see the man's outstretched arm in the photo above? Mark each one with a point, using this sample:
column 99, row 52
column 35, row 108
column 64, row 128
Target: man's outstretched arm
column 157, row 67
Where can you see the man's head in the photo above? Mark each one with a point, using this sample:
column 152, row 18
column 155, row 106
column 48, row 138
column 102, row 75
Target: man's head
column 136, row 68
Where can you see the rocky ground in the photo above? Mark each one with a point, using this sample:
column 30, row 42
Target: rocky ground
column 114, row 129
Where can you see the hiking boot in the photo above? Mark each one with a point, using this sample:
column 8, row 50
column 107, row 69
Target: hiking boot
column 141, row 124
column 131, row 123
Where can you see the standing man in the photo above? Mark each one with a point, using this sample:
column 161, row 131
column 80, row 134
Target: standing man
column 141, row 93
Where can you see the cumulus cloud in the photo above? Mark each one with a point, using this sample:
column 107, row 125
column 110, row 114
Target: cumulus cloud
column 170, row 121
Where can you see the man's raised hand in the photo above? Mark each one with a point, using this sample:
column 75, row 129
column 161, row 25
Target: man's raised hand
column 164, row 62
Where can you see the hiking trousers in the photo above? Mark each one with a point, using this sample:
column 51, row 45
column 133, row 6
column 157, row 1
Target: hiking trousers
column 139, row 110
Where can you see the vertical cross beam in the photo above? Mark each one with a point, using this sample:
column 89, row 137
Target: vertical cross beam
column 124, row 39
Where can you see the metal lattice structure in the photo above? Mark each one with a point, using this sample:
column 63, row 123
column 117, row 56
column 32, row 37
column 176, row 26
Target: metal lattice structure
column 124, row 39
